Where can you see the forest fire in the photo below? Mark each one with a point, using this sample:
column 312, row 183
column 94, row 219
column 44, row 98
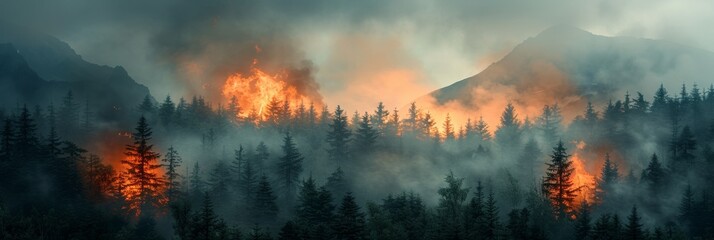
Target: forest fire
column 253, row 92
column 137, row 177
column 583, row 180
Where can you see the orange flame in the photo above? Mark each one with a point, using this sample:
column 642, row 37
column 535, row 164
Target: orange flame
column 255, row 91
column 582, row 179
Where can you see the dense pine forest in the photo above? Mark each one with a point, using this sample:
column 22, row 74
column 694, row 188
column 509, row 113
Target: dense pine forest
column 638, row 168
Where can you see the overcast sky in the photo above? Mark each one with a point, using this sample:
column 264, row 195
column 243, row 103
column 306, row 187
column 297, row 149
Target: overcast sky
column 360, row 51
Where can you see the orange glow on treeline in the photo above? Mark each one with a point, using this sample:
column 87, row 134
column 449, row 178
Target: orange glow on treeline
column 112, row 149
column 254, row 91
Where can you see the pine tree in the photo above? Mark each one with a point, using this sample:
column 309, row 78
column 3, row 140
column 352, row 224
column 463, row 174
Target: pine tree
column 591, row 116
column 205, row 223
column 659, row 104
column 234, row 109
column 654, row 175
column 338, row 137
column 147, row 107
column 366, row 136
column 582, row 224
column 608, row 176
column 602, row 229
column 354, row 122
column 549, row 122
column 40, row 119
column 289, row 231
column 491, row 218
column 87, row 119
column 220, row 180
column 284, row 115
column 686, row 207
column 411, row 124
column 482, row 130
column 146, row 229
column 289, row 167
column 311, row 120
column 336, row 183
column 196, row 182
column 181, row 113
column 53, row 140
column 686, row 145
column 172, row 162
column 448, row 129
column 301, row 115
column 633, row 228
column 98, row 178
column 261, row 158
column 475, row 214
column 450, row 209
column 518, row 224
column 258, row 234
column 248, row 182
column 264, row 209
column 349, row 222
column 166, row 111
column 314, row 210
column 379, row 119
column 529, row 158
column 144, row 188
column 558, row 182
column 270, row 115
column 7, row 141
column 181, row 213
column 68, row 177
column 508, row 133
column 68, row 115
column 237, row 165
column 393, row 128
column 641, row 106
column 426, row 126
column 25, row 140
column 684, row 99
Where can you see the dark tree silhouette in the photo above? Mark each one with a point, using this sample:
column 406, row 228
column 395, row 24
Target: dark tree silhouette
column 633, row 228
column 582, row 224
column 289, row 168
column 558, row 182
column 349, row 221
column 451, row 208
column 338, row 137
column 172, row 162
column 608, row 177
column 264, row 209
column 365, row 137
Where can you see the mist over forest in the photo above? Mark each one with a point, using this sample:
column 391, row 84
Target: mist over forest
column 229, row 130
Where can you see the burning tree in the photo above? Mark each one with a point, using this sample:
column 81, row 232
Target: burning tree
column 558, row 182
column 142, row 186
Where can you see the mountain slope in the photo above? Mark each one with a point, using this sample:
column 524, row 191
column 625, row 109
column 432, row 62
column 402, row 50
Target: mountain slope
column 42, row 68
column 569, row 66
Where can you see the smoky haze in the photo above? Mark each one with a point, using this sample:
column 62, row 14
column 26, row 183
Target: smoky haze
column 197, row 43
column 356, row 54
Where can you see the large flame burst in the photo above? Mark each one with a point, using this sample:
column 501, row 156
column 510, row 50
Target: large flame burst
column 582, row 179
column 254, row 91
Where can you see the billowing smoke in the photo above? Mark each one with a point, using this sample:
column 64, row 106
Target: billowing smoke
column 205, row 47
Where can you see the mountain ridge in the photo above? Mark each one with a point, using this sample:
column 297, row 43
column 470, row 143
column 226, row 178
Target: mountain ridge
column 570, row 66
column 56, row 69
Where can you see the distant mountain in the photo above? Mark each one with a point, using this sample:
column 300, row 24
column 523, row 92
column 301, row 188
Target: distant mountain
column 569, row 66
column 38, row 68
